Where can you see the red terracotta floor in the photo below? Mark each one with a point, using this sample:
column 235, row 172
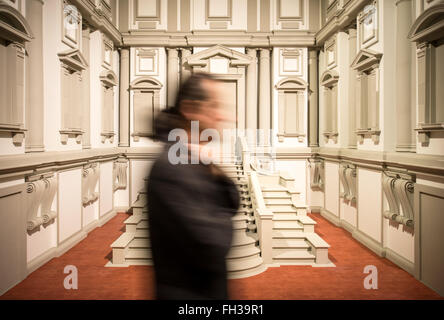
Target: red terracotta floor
column 345, row 281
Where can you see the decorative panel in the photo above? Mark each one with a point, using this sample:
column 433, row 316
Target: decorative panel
column 147, row 62
column 72, row 25
column 72, row 65
column 290, row 62
column 331, row 53
column 218, row 13
column 366, row 63
column 107, row 52
column 146, row 14
column 289, row 13
column 146, row 105
column 291, row 108
column 368, row 25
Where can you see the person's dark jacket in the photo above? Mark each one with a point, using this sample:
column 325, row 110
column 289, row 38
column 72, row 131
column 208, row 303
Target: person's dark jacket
column 190, row 210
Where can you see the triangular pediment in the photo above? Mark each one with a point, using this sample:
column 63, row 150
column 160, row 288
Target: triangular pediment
column 429, row 26
column 365, row 59
column 74, row 59
column 236, row 58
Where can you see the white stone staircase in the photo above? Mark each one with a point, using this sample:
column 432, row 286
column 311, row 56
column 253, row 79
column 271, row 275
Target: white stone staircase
column 294, row 241
column 133, row 246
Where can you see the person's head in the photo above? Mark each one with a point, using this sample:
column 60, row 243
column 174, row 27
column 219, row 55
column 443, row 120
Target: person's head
column 198, row 99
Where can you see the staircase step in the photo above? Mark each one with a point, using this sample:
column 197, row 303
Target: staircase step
column 142, row 234
column 304, row 220
column 135, row 219
column 290, row 244
column 273, row 188
column 143, row 225
column 242, row 252
column 287, row 225
column 276, row 195
column 316, row 240
column 299, row 256
column 123, row 240
column 242, row 239
column 278, row 202
column 288, row 234
column 138, row 254
column 244, row 265
column 140, row 243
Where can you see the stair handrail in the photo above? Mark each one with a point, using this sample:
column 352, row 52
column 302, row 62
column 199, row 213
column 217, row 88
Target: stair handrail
column 243, row 153
column 263, row 216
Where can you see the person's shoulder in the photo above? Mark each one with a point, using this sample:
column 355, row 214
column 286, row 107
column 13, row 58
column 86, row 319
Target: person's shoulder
column 163, row 168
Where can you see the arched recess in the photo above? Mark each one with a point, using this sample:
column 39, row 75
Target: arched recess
column 13, row 26
column 291, row 104
column 428, row 33
column 14, row 33
column 109, row 80
column 329, row 81
column 146, row 105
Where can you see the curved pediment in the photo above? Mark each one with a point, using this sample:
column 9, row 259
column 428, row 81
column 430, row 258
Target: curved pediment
column 145, row 83
column 13, row 25
column 201, row 58
column 366, row 59
column 291, row 83
column 329, row 78
column 109, row 78
column 429, row 26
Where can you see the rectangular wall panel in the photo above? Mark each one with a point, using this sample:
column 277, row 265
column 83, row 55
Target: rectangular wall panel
column 12, row 237
column 106, row 187
column 332, row 187
column 70, row 203
column 369, row 203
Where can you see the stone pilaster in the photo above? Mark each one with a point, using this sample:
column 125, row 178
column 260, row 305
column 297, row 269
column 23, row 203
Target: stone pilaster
column 124, row 110
column 34, row 79
column 86, row 114
column 351, row 91
column 185, row 71
column 251, row 116
column 173, row 76
column 404, row 131
column 313, row 135
column 264, row 94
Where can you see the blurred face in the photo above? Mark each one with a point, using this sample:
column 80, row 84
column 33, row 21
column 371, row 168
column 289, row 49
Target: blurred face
column 210, row 113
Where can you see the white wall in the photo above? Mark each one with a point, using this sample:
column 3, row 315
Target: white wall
column 70, row 203
column 106, row 187
column 369, row 203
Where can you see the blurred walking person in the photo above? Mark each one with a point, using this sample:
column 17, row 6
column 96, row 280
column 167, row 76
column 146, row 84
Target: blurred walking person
column 190, row 205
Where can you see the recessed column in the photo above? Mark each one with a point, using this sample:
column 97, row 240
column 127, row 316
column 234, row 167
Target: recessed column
column 313, row 138
column 351, row 89
column 251, row 116
column 86, row 114
column 264, row 95
column 173, row 76
column 404, row 131
column 34, row 79
column 124, row 111
column 185, row 72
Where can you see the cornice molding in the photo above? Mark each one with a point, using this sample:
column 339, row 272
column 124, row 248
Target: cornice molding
column 97, row 19
column 211, row 38
column 340, row 20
